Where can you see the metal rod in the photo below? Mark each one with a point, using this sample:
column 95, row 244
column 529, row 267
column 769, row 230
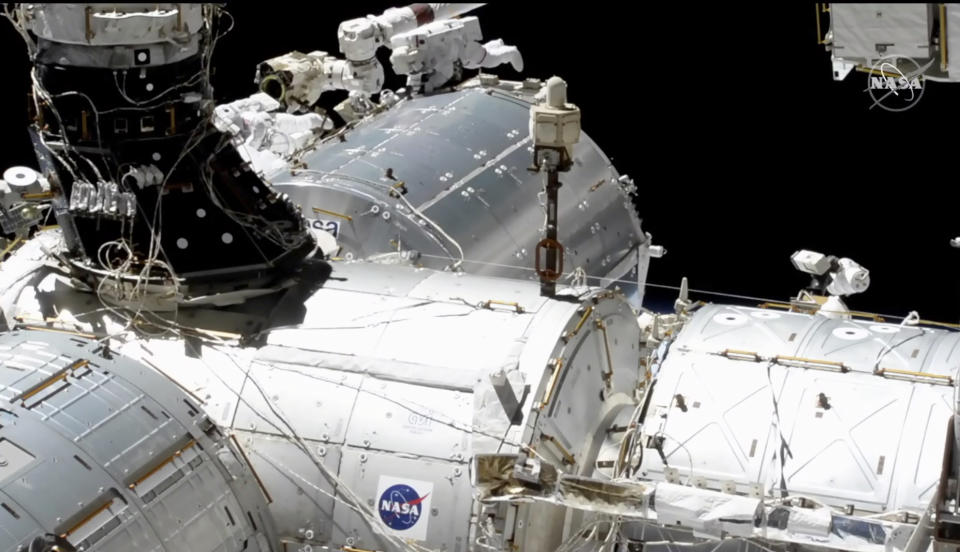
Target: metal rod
column 166, row 461
column 567, row 457
column 87, row 518
column 58, row 330
column 579, row 326
column 488, row 304
column 320, row 211
column 173, row 120
column 10, row 247
column 947, row 380
column 548, row 394
column 608, row 376
column 88, row 15
column 84, row 125
column 37, row 195
column 738, row 354
column 873, row 71
column 816, row 8
column 943, row 37
column 792, row 360
column 57, row 376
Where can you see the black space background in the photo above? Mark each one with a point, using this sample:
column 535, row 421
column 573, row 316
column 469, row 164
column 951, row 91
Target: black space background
column 743, row 147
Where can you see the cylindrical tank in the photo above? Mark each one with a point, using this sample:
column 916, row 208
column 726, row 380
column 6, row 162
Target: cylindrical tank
column 852, row 413
column 445, row 177
column 101, row 453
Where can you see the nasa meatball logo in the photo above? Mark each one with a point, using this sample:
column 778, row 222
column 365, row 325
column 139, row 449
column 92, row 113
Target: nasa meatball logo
column 895, row 83
column 404, row 505
column 400, row 507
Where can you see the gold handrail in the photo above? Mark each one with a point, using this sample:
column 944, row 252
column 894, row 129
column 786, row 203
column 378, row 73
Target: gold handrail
column 816, row 9
column 548, row 393
column 943, row 37
column 318, row 211
column 942, row 379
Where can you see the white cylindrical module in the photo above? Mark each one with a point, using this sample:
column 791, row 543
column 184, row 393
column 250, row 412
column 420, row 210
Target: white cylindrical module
column 452, row 171
column 395, row 378
column 361, row 417
column 852, row 413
